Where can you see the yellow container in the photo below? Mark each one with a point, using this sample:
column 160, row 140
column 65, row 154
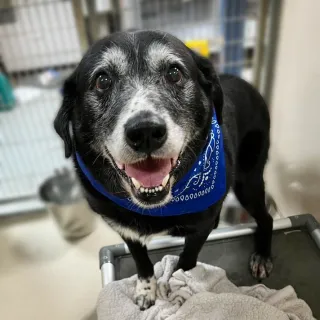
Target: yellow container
column 200, row 46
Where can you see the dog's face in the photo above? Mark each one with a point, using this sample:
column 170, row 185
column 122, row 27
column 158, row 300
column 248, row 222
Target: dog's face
column 142, row 101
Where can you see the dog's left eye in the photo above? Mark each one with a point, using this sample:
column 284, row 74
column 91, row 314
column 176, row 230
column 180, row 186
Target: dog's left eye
column 174, row 75
column 103, row 82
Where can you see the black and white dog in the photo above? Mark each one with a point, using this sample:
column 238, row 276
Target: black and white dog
column 141, row 107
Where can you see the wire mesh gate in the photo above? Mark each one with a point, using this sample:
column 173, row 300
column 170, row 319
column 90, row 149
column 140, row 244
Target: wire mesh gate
column 37, row 37
column 40, row 43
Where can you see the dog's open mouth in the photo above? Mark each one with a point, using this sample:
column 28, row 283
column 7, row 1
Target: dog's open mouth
column 150, row 178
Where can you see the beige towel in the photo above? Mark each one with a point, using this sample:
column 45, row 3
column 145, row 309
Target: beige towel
column 201, row 293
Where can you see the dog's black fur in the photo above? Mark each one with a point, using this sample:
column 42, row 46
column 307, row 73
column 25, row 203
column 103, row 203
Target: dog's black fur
column 244, row 118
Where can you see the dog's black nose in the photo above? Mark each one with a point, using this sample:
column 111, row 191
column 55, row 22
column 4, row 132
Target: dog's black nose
column 145, row 132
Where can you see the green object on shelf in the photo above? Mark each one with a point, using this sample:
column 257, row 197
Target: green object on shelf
column 7, row 99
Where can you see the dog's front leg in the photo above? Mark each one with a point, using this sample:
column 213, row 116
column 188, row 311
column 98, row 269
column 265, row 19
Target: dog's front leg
column 146, row 287
column 192, row 247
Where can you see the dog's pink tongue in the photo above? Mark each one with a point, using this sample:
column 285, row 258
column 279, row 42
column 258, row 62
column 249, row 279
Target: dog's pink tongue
column 149, row 172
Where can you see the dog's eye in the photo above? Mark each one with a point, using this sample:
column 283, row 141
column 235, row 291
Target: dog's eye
column 174, row 75
column 103, row 82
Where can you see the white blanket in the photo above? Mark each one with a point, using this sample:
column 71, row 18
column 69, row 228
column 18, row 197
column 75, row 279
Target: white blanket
column 201, row 293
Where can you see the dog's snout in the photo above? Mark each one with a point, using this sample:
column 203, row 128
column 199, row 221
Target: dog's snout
column 146, row 132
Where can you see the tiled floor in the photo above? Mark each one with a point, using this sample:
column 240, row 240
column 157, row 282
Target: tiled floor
column 42, row 276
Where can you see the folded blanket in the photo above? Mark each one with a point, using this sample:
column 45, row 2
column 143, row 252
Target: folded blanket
column 201, row 293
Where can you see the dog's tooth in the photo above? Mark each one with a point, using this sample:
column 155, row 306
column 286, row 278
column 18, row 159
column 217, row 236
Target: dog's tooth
column 157, row 189
column 160, row 188
column 136, row 183
column 142, row 190
column 165, row 180
column 120, row 165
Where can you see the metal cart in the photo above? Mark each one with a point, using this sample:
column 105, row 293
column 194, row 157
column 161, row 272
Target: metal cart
column 296, row 250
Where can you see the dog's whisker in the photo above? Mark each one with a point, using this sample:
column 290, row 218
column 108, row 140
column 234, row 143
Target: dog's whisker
column 99, row 155
column 191, row 150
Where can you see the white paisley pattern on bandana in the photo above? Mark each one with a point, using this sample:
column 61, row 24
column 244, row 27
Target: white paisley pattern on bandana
column 202, row 177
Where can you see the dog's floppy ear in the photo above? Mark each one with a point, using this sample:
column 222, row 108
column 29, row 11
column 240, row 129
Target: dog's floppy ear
column 210, row 82
column 63, row 118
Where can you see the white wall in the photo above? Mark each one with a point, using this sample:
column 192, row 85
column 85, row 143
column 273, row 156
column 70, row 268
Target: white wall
column 293, row 174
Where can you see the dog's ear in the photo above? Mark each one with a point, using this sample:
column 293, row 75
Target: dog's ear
column 63, row 118
column 209, row 80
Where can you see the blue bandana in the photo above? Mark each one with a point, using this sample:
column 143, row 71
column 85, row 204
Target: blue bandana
column 201, row 187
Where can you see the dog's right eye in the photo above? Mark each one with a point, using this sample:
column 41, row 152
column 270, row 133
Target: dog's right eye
column 103, row 82
column 174, row 75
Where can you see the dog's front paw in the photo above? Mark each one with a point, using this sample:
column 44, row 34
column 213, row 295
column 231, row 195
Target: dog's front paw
column 145, row 295
column 185, row 264
column 260, row 266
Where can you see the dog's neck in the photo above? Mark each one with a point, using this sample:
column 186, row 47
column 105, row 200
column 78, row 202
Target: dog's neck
column 202, row 186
